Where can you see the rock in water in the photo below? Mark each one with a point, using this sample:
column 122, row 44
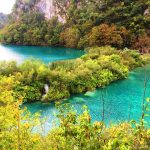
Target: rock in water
column 90, row 94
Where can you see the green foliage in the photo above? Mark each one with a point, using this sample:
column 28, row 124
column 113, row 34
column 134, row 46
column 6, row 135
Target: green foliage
column 56, row 94
column 16, row 127
column 30, row 93
column 70, row 37
column 75, row 131
column 143, row 44
column 8, row 68
column 32, row 29
column 6, row 89
column 54, row 28
column 97, row 68
column 108, row 35
column 146, row 58
column 86, row 23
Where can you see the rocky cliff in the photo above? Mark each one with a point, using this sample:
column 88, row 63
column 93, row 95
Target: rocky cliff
column 3, row 20
column 47, row 7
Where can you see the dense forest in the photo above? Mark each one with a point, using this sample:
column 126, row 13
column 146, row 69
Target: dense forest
column 116, row 38
column 89, row 23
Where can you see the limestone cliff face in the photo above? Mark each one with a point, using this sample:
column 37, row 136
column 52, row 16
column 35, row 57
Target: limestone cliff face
column 3, row 20
column 47, row 7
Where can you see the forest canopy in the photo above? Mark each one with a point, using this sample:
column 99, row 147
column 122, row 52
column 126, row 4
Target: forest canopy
column 87, row 23
column 116, row 37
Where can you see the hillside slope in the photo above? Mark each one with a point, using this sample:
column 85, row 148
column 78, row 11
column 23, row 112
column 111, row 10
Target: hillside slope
column 47, row 7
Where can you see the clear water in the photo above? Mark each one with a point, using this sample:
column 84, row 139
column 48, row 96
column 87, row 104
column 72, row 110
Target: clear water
column 123, row 101
column 46, row 54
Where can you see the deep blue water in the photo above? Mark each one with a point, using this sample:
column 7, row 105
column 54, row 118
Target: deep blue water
column 123, row 99
column 46, row 54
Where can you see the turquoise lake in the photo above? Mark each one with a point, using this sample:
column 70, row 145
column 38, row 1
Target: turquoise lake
column 46, row 54
column 123, row 99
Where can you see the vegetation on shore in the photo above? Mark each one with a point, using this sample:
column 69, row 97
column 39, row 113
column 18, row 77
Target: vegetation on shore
column 88, row 23
column 74, row 132
column 97, row 68
column 92, row 23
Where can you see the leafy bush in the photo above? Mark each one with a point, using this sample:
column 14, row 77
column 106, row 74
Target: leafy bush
column 84, row 24
column 97, row 68
column 75, row 131
column 142, row 44
column 8, row 68
column 105, row 35
column 70, row 37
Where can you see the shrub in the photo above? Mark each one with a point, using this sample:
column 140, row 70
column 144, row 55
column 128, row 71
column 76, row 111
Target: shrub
column 8, row 68
column 70, row 37
column 97, row 68
column 142, row 44
column 105, row 35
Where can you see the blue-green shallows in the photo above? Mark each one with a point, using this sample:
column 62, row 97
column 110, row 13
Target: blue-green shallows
column 46, row 54
column 122, row 99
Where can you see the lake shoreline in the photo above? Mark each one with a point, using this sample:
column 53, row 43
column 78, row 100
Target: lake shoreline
column 120, row 96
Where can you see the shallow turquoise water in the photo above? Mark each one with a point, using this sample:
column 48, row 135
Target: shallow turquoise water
column 123, row 101
column 46, row 54
column 122, row 98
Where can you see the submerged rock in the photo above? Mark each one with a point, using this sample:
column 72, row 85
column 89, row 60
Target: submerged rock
column 79, row 100
column 89, row 94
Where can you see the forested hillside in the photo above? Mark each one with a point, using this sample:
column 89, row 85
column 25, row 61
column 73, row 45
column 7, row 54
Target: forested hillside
column 115, row 35
column 86, row 23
